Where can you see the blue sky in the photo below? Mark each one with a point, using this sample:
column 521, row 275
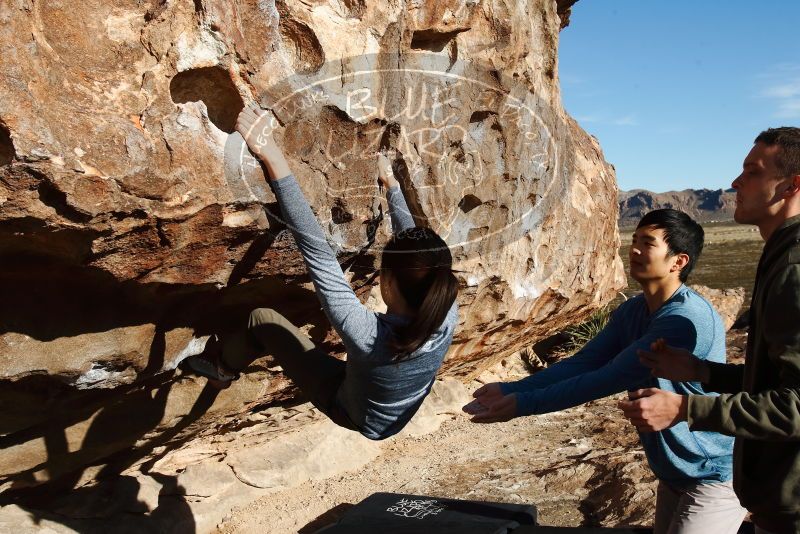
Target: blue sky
column 677, row 90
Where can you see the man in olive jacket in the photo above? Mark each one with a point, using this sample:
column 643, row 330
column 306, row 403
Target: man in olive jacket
column 760, row 400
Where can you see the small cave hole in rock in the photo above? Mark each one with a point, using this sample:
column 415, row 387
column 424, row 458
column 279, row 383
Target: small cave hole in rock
column 480, row 116
column 52, row 196
column 302, row 45
column 355, row 8
column 7, row 153
column 390, row 136
column 469, row 203
column 339, row 213
column 214, row 87
column 433, row 40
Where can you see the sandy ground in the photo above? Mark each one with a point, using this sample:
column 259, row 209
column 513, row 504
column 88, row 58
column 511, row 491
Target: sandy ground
column 726, row 233
column 581, row 466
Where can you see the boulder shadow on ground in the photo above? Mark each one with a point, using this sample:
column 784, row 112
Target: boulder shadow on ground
column 327, row 518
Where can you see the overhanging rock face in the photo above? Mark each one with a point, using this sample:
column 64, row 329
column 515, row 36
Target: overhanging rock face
column 133, row 222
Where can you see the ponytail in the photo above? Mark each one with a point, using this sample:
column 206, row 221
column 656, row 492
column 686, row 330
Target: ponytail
column 437, row 300
column 421, row 264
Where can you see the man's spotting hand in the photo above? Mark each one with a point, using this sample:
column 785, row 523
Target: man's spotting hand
column 653, row 409
column 491, row 406
column 673, row 363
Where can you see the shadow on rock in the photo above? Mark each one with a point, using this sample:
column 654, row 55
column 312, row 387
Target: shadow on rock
column 97, row 506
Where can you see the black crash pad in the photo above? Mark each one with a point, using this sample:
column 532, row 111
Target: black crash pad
column 394, row 513
column 579, row 530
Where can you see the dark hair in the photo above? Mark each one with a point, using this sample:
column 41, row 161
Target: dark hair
column 682, row 234
column 421, row 264
column 788, row 138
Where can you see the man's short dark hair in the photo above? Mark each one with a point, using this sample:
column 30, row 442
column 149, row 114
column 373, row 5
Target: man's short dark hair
column 682, row 234
column 788, row 138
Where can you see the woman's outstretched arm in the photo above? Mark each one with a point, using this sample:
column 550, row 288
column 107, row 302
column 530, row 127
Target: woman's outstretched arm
column 356, row 325
column 398, row 209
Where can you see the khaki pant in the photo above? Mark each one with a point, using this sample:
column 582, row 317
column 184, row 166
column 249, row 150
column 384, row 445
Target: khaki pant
column 710, row 508
column 317, row 374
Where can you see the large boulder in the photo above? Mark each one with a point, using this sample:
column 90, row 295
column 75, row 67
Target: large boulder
column 134, row 224
column 727, row 302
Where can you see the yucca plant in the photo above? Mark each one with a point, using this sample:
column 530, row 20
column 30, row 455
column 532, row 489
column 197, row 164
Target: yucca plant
column 579, row 335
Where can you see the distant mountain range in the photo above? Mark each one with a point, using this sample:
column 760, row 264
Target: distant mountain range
column 704, row 205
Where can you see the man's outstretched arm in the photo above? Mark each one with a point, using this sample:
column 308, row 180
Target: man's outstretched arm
column 623, row 372
column 596, row 353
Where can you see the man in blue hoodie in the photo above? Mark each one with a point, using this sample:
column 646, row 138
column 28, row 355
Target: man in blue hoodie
column 694, row 468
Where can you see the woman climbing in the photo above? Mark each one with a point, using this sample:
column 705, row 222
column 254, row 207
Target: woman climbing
column 392, row 357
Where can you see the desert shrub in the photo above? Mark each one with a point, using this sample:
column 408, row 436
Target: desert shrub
column 580, row 334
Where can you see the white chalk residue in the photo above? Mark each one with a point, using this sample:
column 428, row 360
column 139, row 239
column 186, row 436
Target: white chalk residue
column 581, row 199
column 203, row 50
column 526, row 289
column 192, row 121
column 237, row 219
column 269, row 9
column 459, row 229
column 473, row 280
column 193, row 348
column 97, row 374
column 121, row 28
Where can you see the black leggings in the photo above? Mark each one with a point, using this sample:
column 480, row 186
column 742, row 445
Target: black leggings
column 318, row 374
